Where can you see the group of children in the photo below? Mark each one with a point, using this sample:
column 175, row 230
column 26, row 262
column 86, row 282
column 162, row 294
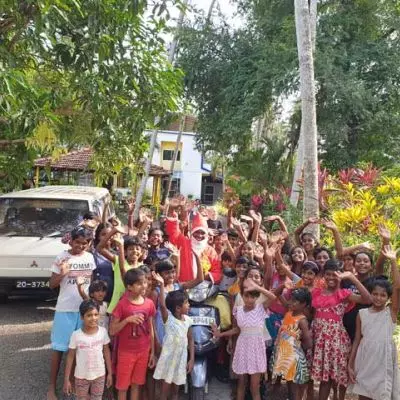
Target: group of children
column 299, row 314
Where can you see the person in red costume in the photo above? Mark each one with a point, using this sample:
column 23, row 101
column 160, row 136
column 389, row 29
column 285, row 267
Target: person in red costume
column 198, row 242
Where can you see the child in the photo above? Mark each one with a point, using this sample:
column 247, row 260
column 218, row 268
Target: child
column 226, row 260
column 157, row 251
column 129, row 256
column 298, row 256
column 89, row 347
column 306, row 239
column 331, row 341
column 373, row 366
column 97, row 292
column 104, row 267
column 133, row 323
column 309, row 273
column 67, row 267
column 240, row 268
column 321, row 256
column 294, row 337
column 166, row 269
column 173, row 366
column 248, row 250
column 281, row 281
column 250, row 351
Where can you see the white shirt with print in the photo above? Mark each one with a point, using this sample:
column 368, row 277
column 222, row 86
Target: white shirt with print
column 89, row 353
column 83, row 265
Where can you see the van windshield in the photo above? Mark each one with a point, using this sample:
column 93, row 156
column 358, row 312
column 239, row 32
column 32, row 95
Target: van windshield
column 40, row 217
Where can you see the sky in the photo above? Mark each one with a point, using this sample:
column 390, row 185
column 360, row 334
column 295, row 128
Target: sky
column 226, row 7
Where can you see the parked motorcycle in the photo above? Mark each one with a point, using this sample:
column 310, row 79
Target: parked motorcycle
column 203, row 317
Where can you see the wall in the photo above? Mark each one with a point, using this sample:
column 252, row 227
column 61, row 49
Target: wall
column 189, row 171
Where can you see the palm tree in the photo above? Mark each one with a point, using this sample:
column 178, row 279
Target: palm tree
column 305, row 32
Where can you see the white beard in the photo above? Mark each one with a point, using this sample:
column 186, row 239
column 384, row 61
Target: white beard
column 199, row 246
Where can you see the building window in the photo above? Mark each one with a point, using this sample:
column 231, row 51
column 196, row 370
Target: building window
column 168, row 155
column 209, row 194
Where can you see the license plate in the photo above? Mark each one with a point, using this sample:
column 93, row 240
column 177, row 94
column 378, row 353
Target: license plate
column 203, row 320
column 32, row 284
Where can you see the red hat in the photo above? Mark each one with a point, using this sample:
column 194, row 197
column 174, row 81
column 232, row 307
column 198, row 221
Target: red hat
column 199, row 223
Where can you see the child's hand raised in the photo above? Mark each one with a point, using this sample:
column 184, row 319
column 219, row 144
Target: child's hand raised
column 345, row 275
column 328, row 224
column 158, row 278
column 366, row 246
column 224, row 237
column 118, row 240
column 389, row 253
column 131, row 204
column 384, row 233
column 270, row 251
column 249, row 285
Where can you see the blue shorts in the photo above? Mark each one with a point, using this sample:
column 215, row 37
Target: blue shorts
column 63, row 325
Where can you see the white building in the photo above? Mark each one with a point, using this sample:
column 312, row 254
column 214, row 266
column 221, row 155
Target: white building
column 191, row 176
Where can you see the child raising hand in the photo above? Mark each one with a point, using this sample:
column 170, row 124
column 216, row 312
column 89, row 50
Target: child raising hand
column 173, row 366
column 250, row 351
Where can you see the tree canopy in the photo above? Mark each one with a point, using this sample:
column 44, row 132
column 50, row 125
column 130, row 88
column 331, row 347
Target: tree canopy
column 82, row 72
column 234, row 74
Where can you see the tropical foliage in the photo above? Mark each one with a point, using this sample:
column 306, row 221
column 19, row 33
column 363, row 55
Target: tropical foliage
column 81, row 72
column 235, row 74
column 359, row 200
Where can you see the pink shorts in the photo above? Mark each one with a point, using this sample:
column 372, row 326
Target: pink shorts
column 131, row 369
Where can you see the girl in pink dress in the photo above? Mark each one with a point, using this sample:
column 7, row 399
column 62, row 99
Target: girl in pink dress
column 331, row 341
column 250, row 352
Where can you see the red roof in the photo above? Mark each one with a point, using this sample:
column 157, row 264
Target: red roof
column 79, row 160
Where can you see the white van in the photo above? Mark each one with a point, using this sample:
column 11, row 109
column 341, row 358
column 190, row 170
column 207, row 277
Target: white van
column 32, row 223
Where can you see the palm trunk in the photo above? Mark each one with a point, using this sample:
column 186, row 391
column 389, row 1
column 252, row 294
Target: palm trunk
column 295, row 192
column 308, row 108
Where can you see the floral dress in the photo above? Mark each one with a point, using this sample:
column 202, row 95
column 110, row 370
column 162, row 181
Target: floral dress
column 171, row 366
column 289, row 360
column 331, row 342
column 250, row 352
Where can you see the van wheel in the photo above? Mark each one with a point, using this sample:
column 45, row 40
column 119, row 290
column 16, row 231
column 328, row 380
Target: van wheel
column 3, row 298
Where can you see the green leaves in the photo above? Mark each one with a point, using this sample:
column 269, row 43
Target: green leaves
column 96, row 71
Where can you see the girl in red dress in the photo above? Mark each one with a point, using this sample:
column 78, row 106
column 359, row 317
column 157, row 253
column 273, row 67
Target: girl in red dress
column 331, row 341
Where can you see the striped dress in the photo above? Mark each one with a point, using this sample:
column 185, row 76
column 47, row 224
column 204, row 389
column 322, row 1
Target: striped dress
column 250, row 352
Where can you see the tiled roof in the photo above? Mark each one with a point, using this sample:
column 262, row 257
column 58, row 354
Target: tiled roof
column 79, row 160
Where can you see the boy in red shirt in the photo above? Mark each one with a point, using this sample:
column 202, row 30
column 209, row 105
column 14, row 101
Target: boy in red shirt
column 133, row 323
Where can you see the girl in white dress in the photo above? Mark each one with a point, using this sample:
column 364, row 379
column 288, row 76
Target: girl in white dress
column 173, row 365
column 373, row 369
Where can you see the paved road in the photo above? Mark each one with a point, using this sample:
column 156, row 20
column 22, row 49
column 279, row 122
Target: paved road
column 25, row 326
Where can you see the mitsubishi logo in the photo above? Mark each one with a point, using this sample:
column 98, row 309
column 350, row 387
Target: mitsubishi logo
column 34, row 264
